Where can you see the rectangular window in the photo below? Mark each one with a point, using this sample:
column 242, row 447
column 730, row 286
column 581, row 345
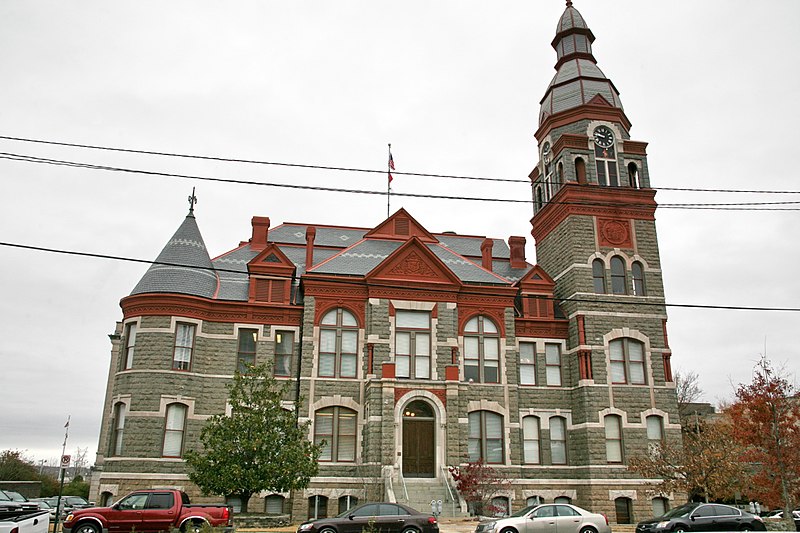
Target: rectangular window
column 119, row 426
column 558, row 441
column 527, row 363
column 184, row 343
column 613, row 439
column 130, row 342
column 530, row 436
column 413, row 344
column 246, row 356
column 552, row 354
column 284, row 347
column 173, row 430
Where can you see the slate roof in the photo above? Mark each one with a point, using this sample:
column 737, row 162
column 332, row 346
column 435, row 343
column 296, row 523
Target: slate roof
column 189, row 269
column 578, row 79
column 347, row 254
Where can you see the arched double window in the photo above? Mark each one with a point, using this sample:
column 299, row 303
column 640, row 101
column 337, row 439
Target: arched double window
column 481, row 350
column 599, row 276
column 627, row 361
column 273, row 504
column 633, row 178
column 486, row 437
column 637, row 276
column 317, row 507
column 336, row 427
column 338, row 344
column 618, row 277
column 613, row 426
column 558, row 440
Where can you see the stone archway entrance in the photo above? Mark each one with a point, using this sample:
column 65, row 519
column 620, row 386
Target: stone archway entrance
column 419, row 447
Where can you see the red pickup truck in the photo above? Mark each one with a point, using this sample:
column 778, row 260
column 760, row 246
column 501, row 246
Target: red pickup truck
column 149, row 510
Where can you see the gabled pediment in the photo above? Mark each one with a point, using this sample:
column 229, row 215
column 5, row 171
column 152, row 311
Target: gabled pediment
column 401, row 226
column 271, row 261
column 598, row 99
column 537, row 280
column 414, row 262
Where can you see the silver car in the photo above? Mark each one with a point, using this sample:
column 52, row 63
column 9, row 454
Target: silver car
column 548, row 518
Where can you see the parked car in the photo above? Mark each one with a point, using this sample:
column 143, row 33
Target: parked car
column 76, row 502
column 778, row 515
column 386, row 517
column 14, row 518
column 150, row 511
column 45, row 506
column 702, row 517
column 548, row 518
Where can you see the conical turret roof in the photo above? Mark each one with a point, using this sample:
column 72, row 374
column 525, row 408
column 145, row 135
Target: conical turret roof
column 578, row 80
column 182, row 267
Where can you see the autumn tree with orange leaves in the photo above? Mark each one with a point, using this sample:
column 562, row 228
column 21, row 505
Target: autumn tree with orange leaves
column 766, row 421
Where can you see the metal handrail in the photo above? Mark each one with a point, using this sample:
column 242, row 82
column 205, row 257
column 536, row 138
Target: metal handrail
column 449, row 490
column 405, row 489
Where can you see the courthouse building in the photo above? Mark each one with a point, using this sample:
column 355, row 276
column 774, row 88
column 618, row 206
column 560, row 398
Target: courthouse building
column 412, row 350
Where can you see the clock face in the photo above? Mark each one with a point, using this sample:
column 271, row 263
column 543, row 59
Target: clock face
column 603, row 136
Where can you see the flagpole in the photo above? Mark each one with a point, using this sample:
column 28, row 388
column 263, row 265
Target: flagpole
column 63, row 470
column 388, row 180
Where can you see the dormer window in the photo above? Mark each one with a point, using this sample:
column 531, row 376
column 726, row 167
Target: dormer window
column 605, row 156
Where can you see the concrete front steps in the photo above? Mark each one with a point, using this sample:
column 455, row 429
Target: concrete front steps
column 422, row 490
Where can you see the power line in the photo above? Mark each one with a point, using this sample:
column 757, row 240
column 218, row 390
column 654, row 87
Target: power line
column 347, row 169
column 741, row 206
column 405, row 287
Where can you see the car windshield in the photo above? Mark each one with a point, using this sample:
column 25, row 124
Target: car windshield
column 525, row 511
column 16, row 496
column 3, row 497
column 679, row 512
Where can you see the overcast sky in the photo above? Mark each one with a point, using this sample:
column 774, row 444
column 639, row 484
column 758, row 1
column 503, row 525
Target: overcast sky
column 453, row 85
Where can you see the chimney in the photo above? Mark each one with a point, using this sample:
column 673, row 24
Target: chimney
column 517, row 245
column 486, row 253
column 311, row 233
column 260, row 233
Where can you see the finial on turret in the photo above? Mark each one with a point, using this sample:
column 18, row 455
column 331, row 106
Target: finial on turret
column 569, row 3
column 192, row 201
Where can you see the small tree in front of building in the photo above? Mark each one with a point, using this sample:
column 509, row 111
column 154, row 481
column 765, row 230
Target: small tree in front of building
column 478, row 483
column 259, row 447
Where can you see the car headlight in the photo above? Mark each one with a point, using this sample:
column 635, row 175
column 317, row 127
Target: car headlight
column 662, row 525
column 305, row 527
column 69, row 518
column 489, row 527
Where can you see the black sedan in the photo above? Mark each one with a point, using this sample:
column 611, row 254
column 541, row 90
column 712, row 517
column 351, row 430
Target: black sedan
column 382, row 517
column 702, row 517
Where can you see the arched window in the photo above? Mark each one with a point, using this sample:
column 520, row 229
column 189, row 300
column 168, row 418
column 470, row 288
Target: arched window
column 563, row 499
column 337, row 427
column 655, row 433
column 499, row 506
column 534, row 500
column 580, row 171
column 599, row 276
column 130, row 344
column 624, row 508
column 633, row 175
column 346, row 503
column 481, row 350
column 613, row 425
column 559, row 175
column 531, row 453
column 317, row 507
column 338, row 344
column 618, row 275
column 627, row 361
column 174, row 427
column 118, row 428
column 637, row 273
column 660, row 506
column 273, row 504
column 558, row 440
column 486, row 437
column 106, row 499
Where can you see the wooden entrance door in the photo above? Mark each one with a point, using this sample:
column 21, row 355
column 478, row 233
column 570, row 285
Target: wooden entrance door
column 418, row 448
column 419, row 445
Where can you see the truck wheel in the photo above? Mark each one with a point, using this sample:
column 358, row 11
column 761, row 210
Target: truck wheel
column 86, row 527
column 189, row 527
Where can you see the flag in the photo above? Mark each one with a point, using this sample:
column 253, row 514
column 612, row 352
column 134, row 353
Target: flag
column 391, row 165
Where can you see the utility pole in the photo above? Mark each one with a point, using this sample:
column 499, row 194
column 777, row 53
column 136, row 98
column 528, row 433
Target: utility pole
column 64, row 459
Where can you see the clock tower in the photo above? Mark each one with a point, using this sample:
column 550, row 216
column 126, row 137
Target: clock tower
column 594, row 227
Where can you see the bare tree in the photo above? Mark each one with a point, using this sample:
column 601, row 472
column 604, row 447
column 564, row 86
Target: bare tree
column 687, row 387
column 79, row 461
